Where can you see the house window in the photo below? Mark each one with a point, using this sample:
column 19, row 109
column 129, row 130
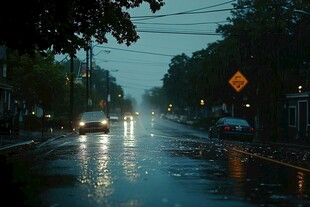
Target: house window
column 4, row 71
column 292, row 116
column 9, row 101
column 308, row 110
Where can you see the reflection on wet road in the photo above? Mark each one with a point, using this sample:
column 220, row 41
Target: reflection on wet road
column 154, row 162
column 237, row 176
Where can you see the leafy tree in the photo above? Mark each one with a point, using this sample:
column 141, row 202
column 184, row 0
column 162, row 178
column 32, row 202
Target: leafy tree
column 129, row 104
column 67, row 26
column 99, row 89
column 155, row 98
column 116, row 94
column 37, row 80
column 268, row 41
column 266, row 35
column 175, row 82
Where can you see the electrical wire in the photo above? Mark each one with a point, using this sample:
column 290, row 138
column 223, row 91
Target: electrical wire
column 176, row 14
column 180, row 24
column 180, row 32
column 131, row 61
column 189, row 12
column 150, row 53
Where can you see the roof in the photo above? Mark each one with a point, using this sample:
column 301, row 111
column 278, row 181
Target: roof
column 298, row 95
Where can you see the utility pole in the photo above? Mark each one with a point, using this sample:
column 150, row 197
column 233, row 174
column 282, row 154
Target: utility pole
column 71, row 90
column 90, row 73
column 108, row 95
column 87, row 81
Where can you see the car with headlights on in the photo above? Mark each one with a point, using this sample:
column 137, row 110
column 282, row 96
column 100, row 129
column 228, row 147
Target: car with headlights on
column 232, row 128
column 128, row 116
column 94, row 121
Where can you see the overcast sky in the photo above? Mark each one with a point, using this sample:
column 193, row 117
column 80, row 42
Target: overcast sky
column 163, row 35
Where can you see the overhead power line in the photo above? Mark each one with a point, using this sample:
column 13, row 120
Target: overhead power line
column 180, row 24
column 133, row 61
column 140, row 62
column 193, row 11
column 180, row 32
column 138, row 18
column 212, row 6
column 127, row 50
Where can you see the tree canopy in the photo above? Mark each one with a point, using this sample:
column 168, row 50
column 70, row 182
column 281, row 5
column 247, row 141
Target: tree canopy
column 37, row 80
column 268, row 41
column 67, row 26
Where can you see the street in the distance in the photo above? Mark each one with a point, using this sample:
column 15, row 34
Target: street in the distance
column 155, row 162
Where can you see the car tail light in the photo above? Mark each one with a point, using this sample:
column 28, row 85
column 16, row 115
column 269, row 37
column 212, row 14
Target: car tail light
column 227, row 128
column 251, row 129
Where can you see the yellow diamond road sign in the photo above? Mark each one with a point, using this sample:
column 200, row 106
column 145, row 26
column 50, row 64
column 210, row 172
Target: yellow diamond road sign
column 238, row 81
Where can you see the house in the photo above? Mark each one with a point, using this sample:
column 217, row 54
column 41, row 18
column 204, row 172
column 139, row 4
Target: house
column 298, row 105
column 7, row 103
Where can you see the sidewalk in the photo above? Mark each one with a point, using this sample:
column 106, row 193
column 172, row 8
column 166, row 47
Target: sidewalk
column 27, row 138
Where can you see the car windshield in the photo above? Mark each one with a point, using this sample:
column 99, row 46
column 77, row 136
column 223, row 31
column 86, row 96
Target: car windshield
column 92, row 116
column 237, row 122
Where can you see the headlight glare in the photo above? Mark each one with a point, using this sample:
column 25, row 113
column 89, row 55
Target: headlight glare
column 104, row 122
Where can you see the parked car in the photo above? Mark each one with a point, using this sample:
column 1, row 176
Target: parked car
column 114, row 117
column 94, row 121
column 232, row 128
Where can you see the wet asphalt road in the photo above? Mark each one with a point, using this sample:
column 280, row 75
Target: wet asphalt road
column 154, row 162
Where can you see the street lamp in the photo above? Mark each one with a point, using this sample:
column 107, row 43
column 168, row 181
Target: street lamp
column 202, row 102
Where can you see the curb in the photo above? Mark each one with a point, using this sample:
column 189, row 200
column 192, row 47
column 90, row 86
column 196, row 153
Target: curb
column 19, row 147
column 15, row 148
